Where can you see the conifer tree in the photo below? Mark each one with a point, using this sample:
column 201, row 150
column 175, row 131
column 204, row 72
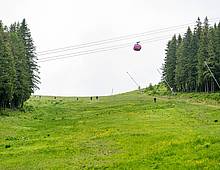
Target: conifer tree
column 217, row 51
column 194, row 56
column 183, row 66
column 192, row 51
column 18, row 51
column 189, row 58
column 178, row 70
column 203, row 56
column 31, row 57
column 18, row 67
column 7, row 69
column 170, row 62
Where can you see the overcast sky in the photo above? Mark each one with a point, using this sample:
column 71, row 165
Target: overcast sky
column 61, row 23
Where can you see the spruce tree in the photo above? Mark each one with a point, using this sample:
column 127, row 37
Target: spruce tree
column 31, row 58
column 180, row 71
column 7, row 69
column 203, row 56
column 194, row 56
column 18, row 67
column 21, row 84
column 190, row 60
column 217, row 51
column 192, row 51
column 178, row 80
column 170, row 63
column 212, row 60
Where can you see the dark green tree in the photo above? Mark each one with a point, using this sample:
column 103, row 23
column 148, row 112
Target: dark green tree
column 189, row 59
column 170, row 63
column 212, row 61
column 194, row 57
column 21, row 66
column 179, row 80
column 203, row 56
column 217, row 51
column 18, row 66
column 31, row 57
column 192, row 52
column 7, row 69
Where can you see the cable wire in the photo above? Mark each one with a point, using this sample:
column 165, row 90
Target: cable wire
column 115, row 39
column 105, row 41
column 94, row 51
column 142, row 41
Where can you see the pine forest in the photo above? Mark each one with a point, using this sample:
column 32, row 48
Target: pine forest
column 18, row 67
column 192, row 62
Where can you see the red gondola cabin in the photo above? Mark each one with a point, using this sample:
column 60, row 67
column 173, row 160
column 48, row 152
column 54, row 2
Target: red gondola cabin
column 137, row 47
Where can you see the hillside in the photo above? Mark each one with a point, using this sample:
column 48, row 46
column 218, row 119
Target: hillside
column 127, row 131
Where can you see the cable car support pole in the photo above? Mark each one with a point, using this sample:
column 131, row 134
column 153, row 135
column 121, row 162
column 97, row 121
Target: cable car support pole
column 212, row 74
column 139, row 87
column 171, row 89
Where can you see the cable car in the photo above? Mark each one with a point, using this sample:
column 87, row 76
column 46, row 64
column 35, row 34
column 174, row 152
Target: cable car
column 137, row 46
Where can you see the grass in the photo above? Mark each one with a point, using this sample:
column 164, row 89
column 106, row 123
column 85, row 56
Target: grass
column 127, row 131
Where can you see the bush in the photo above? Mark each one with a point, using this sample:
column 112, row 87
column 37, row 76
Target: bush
column 159, row 89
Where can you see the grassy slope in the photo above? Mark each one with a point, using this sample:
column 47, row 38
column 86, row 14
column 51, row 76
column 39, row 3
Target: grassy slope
column 127, row 131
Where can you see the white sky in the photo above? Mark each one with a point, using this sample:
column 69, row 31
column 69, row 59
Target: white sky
column 61, row 23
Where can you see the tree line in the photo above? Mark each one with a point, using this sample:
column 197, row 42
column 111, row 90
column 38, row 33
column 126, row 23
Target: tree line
column 18, row 67
column 184, row 67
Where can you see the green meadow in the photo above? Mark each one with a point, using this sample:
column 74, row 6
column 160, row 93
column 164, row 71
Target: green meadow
column 127, row 131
